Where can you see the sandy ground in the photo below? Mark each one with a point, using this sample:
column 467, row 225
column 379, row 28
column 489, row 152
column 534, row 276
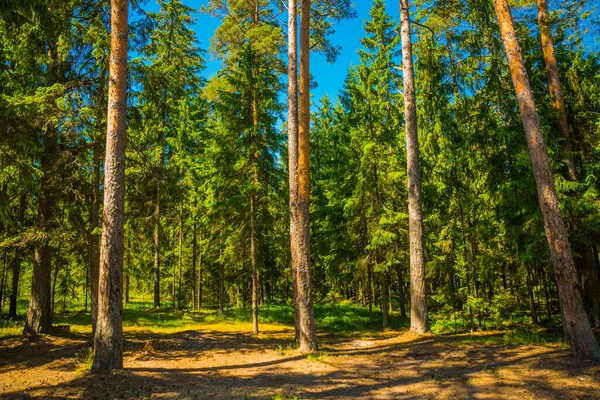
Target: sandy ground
column 232, row 364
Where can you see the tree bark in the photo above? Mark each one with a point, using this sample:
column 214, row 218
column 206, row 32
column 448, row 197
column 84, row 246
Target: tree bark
column 254, row 257
column 108, row 338
column 94, row 250
column 419, row 322
column 39, row 314
column 180, row 258
column 306, row 320
column 554, row 85
column 156, row 238
column 194, row 261
column 582, row 338
column 293, row 146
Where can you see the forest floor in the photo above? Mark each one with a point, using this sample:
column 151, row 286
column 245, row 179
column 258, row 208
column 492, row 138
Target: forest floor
column 196, row 358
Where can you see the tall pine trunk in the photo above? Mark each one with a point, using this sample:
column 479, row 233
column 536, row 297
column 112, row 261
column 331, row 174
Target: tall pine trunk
column 418, row 299
column 293, row 145
column 108, row 338
column 254, row 257
column 554, row 85
column 578, row 326
column 306, row 320
column 156, row 239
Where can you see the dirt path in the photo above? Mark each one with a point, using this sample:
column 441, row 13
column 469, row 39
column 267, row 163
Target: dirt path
column 207, row 363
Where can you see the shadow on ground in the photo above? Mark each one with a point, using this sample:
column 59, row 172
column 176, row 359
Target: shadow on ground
column 198, row 364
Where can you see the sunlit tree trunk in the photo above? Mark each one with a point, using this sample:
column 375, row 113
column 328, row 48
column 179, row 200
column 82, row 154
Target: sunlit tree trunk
column 418, row 299
column 108, row 338
column 578, row 326
column 554, row 85
column 306, row 320
column 293, row 144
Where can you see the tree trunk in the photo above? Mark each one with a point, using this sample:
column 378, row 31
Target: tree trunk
column 194, row 260
column 293, row 148
column 14, row 294
column 180, row 258
column 418, row 300
column 306, row 320
column 583, row 342
column 39, row 314
column 254, row 257
column 3, row 282
column 108, row 339
column 401, row 291
column 384, row 299
column 156, row 238
column 221, row 277
column 554, row 85
column 94, row 250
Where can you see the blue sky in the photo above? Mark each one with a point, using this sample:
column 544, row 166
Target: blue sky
column 329, row 77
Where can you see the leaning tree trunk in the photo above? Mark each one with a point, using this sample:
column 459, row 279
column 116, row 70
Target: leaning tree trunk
column 306, row 319
column 554, row 85
column 582, row 338
column 293, row 145
column 108, row 339
column 418, row 300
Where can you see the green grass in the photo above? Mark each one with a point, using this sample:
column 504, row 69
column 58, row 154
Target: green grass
column 343, row 319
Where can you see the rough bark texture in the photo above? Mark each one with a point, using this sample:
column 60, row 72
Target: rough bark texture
column 418, row 300
column 578, row 326
column 194, row 260
column 554, row 85
column 108, row 339
column 39, row 314
column 306, row 320
column 156, row 239
column 254, row 257
column 293, row 144
column 94, row 245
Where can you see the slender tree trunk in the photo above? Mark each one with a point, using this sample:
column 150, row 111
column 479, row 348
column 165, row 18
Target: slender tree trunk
column 200, row 282
column 306, row 320
column 583, row 342
column 3, row 282
column 194, row 261
column 254, row 257
column 94, row 250
column 293, row 148
column 554, row 85
column 385, row 308
column 156, row 238
column 221, row 276
column 14, row 294
column 108, row 338
column 401, row 291
column 180, row 258
column 419, row 322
